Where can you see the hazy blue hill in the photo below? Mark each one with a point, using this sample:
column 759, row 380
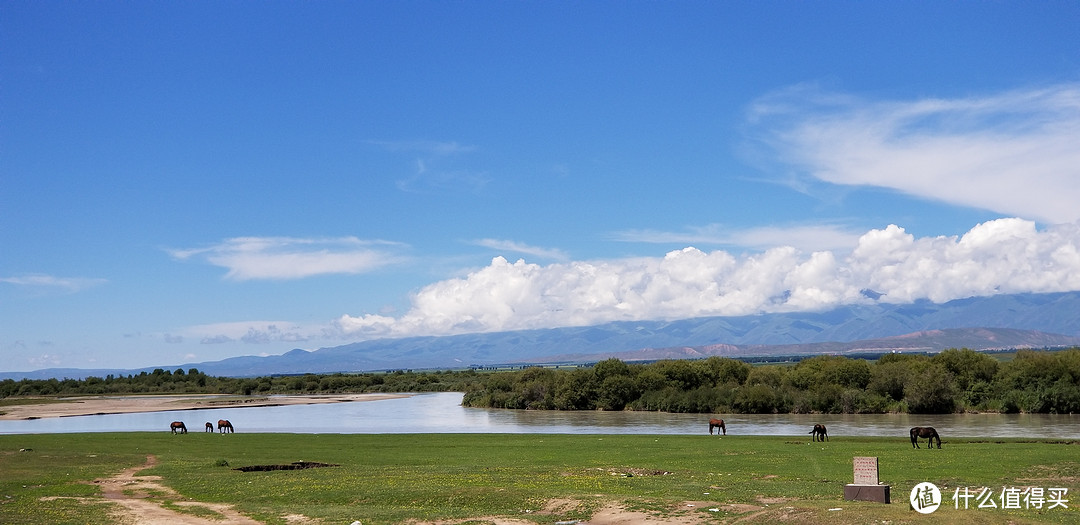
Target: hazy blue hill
column 1033, row 320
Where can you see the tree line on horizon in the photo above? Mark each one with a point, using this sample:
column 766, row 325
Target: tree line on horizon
column 194, row 381
column 955, row 380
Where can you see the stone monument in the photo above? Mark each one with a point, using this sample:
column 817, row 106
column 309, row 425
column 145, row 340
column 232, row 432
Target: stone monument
column 866, row 486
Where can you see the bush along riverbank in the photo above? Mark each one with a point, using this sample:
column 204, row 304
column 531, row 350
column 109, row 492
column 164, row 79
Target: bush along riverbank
column 947, row 382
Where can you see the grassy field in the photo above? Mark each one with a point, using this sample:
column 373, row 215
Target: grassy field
column 538, row 478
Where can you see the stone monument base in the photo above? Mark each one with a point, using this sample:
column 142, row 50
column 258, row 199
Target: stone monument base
column 878, row 493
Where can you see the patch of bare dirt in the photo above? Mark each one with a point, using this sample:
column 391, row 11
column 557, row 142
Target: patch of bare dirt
column 138, row 502
column 773, row 501
column 486, row 520
column 686, row 513
column 299, row 519
column 96, row 405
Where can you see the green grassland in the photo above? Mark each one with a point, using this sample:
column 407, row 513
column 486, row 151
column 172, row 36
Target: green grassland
column 398, row 478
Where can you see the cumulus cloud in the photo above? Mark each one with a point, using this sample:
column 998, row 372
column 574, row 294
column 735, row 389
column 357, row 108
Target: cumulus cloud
column 292, row 258
column 1000, row 256
column 1014, row 153
column 49, row 282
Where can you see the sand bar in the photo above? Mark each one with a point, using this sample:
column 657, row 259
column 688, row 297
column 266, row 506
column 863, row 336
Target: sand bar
column 97, row 405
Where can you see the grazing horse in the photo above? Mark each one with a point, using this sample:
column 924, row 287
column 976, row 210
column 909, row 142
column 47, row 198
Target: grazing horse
column 925, row 432
column 717, row 423
column 224, row 426
column 178, row 425
column 209, row 426
column 819, row 432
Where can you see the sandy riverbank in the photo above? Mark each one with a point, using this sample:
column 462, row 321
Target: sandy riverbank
column 95, row 405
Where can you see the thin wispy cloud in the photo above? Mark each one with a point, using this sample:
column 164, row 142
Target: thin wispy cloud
column 1013, row 153
column 804, row 237
column 1000, row 256
column 428, row 147
column 425, row 180
column 42, row 282
column 437, row 167
column 522, row 248
column 248, row 258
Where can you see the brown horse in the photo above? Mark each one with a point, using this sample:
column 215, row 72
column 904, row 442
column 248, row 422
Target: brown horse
column 925, row 432
column 178, row 425
column 819, row 432
column 209, row 426
column 717, row 423
column 224, row 426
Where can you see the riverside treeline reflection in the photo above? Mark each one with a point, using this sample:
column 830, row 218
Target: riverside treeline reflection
column 443, row 413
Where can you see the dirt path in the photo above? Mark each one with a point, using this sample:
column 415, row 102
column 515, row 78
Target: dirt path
column 139, row 499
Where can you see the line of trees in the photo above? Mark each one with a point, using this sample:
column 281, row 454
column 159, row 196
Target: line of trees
column 192, row 381
column 955, row 380
column 951, row 381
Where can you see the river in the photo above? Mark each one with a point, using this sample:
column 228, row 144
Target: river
column 443, row 413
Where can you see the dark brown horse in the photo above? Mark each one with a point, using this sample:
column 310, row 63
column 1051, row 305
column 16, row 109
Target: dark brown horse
column 209, row 426
column 178, row 425
column 717, row 423
column 819, row 432
column 925, row 432
column 224, row 426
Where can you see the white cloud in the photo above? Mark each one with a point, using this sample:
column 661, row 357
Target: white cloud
column 45, row 360
column 292, row 258
column 1001, row 256
column 253, row 332
column 49, row 282
column 804, row 237
column 517, row 247
column 1014, row 153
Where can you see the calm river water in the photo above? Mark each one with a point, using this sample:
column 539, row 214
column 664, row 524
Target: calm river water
column 443, row 413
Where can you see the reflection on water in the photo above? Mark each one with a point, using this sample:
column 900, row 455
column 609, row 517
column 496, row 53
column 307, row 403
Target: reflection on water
column 443, row 413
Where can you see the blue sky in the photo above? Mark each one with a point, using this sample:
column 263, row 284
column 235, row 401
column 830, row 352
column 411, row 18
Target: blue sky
column 185, row 182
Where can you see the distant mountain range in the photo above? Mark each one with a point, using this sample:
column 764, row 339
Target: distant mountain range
column 978, row 323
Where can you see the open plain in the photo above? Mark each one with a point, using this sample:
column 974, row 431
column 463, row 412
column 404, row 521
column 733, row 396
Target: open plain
column 153, row 477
